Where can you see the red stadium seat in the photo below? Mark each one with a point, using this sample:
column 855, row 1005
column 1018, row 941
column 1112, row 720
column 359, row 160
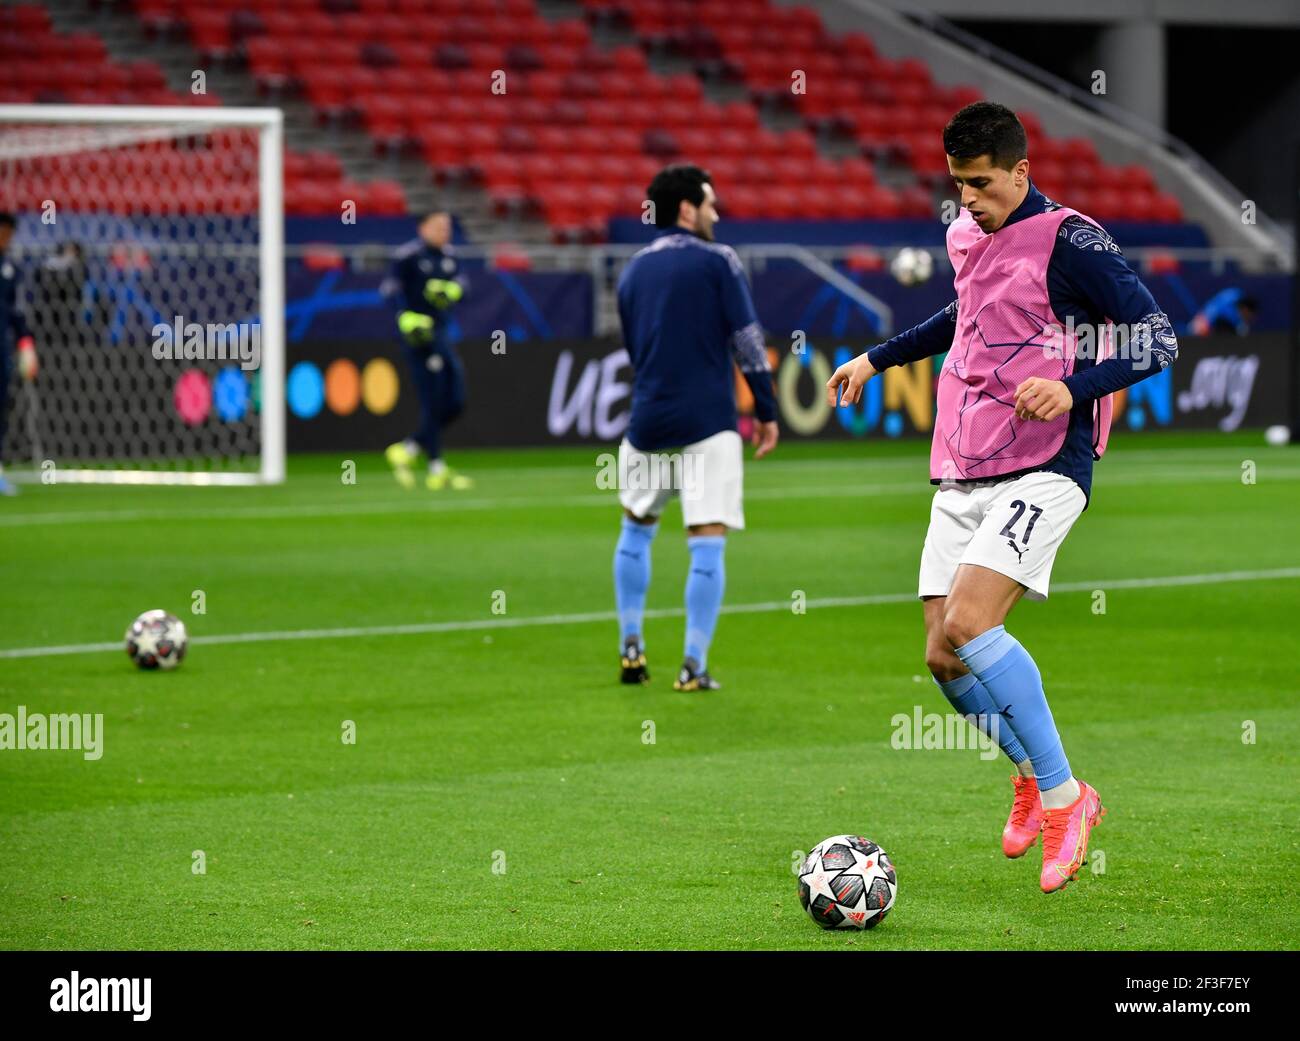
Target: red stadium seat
column 854, row 204
column 386, row 198
column 1166, row 209
column 1107, row 204
column 882, row 202
column 1137, row 206
column 210, row 33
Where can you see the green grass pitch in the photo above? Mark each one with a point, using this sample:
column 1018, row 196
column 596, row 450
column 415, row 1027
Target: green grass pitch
column 503, row 741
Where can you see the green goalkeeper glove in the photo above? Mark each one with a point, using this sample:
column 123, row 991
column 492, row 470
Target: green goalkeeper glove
column 442, row 292
column 415, row 327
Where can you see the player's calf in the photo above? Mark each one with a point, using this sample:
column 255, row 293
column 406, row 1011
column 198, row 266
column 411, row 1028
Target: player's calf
column 631, row 581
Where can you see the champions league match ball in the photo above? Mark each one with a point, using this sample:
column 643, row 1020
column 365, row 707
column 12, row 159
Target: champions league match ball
column 912, row 266
column 847, row 882
column 156, row 640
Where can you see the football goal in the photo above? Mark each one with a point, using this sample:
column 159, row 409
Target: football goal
column 148, row 259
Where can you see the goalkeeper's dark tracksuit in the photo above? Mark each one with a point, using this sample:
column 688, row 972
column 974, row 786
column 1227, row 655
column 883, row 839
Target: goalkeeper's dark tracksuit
column 13, row 327
column 425, row 285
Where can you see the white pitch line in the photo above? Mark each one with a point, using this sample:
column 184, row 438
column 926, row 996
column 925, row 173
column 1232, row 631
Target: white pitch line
column 470, row 625
column 414, row 505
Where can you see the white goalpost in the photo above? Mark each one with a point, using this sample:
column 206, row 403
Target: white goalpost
column 149, row 256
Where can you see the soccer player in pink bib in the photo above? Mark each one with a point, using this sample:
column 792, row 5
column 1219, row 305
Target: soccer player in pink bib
column 1048, row 322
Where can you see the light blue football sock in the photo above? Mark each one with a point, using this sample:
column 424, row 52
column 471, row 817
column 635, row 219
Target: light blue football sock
column 968, row 696
column 705, row 582
column 632, row 576
column 1012, row 680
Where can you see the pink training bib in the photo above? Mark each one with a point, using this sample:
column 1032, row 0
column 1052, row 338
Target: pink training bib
column 1006, row 333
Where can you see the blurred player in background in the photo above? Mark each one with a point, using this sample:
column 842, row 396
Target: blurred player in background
column 425, row 284
column 1017, row 429
column 13, row 326
column 1229, row 310
column 686, row 313
column 61, row 285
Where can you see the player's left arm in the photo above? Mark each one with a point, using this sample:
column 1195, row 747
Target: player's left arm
column 404, row 289
column 1089, row 267
column 22, row 333
column 750, row 351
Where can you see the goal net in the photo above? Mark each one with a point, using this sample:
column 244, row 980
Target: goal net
column 148, row 258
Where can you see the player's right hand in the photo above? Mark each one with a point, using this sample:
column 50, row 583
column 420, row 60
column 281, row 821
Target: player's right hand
column 27, row 363
column 417, row 328
column 765, row 437
column 852, row 376
column 443, row 292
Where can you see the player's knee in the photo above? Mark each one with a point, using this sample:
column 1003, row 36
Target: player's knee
column 962, row 623
column 942, row 663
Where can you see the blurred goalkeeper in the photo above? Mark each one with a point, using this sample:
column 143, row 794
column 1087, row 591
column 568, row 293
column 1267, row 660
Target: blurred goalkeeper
column 425, row 284
column 12, row 326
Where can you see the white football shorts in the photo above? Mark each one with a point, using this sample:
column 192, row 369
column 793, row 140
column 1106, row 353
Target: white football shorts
column 709, row 476
column 1012, row 527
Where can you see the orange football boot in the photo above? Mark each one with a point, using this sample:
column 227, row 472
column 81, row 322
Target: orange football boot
column 1065, row 837
column 1026, row 819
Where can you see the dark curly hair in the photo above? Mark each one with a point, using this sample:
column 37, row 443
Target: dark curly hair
column 673, row 184
column 986, row 128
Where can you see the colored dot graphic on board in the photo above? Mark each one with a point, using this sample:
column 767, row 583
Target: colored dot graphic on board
column 192, row 397
column 306, row 390
column 379, row 386
column 230, row 394
column 342, row 386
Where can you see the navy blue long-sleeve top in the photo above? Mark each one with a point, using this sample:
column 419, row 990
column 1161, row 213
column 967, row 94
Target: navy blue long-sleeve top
column 686, row 313
column 1089, row 281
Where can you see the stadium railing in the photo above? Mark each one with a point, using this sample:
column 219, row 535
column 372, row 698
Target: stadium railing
column 604, row 262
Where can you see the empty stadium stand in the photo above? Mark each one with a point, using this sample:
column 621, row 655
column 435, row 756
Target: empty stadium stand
column 551, row 119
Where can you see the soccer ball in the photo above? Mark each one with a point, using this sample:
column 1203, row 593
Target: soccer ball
column 156, row 640
column 912, row 266
column 847, row 882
